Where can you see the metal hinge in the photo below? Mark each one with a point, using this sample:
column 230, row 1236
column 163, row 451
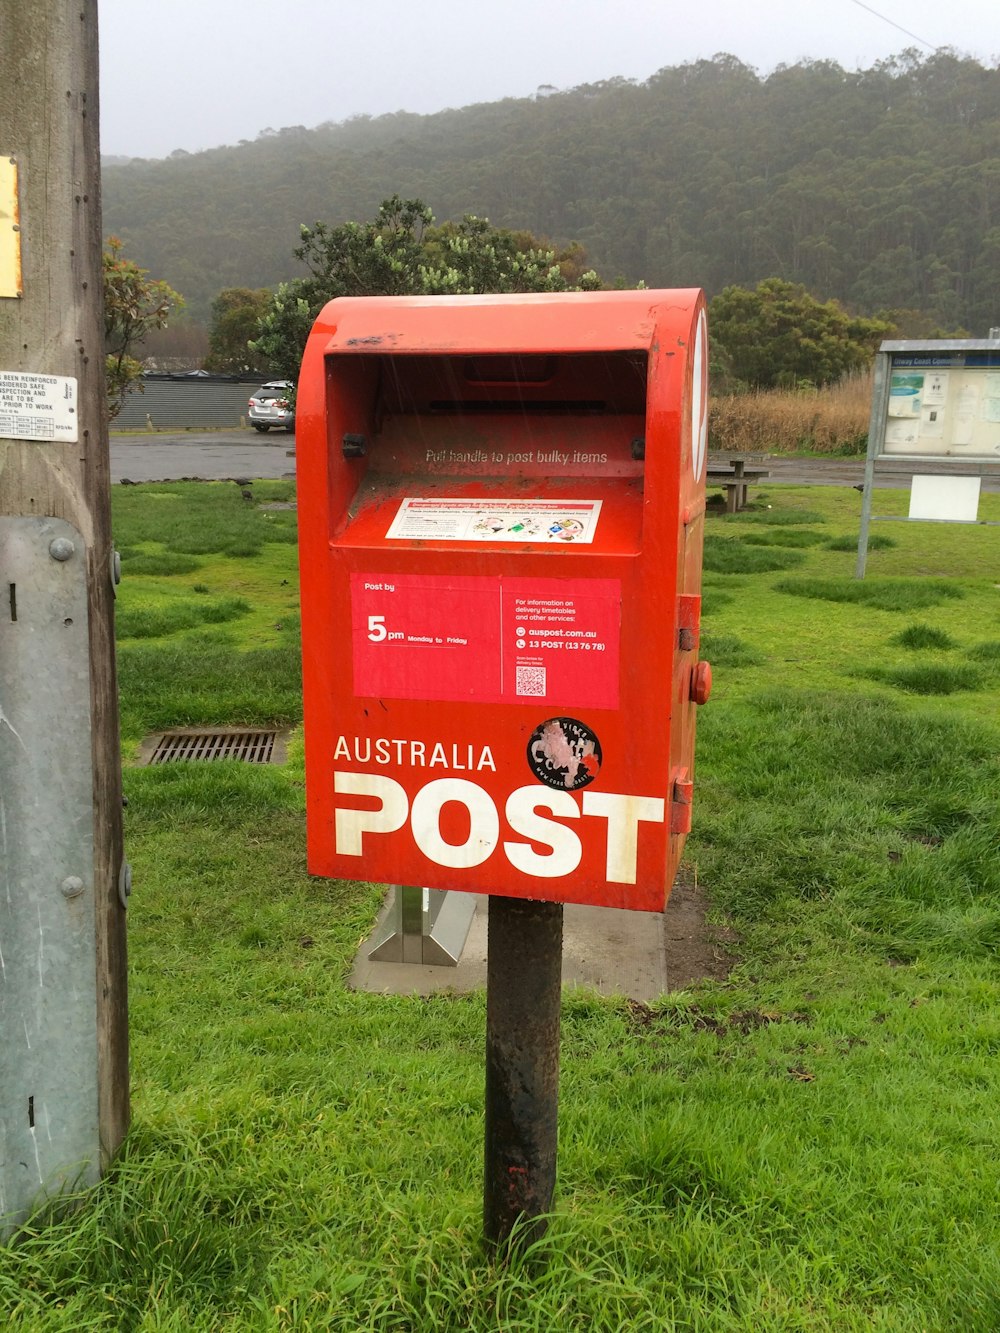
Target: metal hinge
column 688, row 622
column 680, row 802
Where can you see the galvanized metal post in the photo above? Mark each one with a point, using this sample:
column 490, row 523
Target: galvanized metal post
column 523, row 991
column 876, row 443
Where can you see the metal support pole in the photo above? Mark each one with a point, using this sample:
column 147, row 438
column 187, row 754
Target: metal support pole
column 523, row 991
column 876, row 443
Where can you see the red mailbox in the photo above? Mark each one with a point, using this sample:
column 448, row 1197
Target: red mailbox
column 501, row 509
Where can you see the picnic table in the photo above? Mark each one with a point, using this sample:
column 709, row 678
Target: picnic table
column 732, row 472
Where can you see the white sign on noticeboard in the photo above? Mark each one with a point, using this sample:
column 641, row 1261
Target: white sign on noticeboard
column 945, row 499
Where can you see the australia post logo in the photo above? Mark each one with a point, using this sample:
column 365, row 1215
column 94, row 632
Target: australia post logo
column 533, row 827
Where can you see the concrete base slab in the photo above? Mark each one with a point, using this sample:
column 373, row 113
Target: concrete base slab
column 640, row 955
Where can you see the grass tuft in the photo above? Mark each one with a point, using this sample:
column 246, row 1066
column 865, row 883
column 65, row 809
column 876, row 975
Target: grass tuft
column 782, row 518
column 922, row 636
column 877, row 541
column 727, row 650
column 728, row 555
column 883, row 594
column 153, row 622
column 160, row 687
column 929, row 678
column 795, row 537
column 158, row 562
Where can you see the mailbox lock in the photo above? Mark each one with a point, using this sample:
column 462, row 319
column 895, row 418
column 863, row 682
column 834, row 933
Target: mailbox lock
column 701, row 682
column 354, row 446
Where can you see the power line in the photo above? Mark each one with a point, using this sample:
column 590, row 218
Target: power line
column 861, row 5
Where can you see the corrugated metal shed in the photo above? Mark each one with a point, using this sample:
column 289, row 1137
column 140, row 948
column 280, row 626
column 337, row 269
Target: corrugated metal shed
column 178, row 402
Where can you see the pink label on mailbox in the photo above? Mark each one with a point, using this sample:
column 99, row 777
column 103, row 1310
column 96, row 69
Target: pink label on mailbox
column 486, row 640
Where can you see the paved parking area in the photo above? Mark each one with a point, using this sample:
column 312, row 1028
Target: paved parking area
column 207, row 456
column 220, row 455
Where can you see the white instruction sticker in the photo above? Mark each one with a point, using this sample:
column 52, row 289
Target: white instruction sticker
column 38, row 407
column 475, row 520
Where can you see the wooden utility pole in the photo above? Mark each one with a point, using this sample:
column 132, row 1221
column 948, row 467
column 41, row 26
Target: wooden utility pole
column 64, row 1102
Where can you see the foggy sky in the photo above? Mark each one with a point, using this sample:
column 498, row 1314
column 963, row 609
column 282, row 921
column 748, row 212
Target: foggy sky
column 196, row 75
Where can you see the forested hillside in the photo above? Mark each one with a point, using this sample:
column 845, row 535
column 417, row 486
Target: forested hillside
column 879, row 187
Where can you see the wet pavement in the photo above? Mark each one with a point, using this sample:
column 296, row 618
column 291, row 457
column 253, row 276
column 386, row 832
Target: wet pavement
column 231, row 454
column 217, row 455
column 851, row 472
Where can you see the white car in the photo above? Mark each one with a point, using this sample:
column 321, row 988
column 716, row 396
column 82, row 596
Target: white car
column 271, row 406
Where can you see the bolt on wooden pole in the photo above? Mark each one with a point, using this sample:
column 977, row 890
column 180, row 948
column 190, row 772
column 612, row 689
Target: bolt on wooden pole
column 64, row 1100
column 523, row 995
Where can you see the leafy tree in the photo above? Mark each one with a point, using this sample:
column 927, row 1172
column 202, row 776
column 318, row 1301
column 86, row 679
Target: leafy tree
column 400, row 252
column 377, row 258
column 473, row 256
column 283, row 330
column 236, row 313
column 780, row 335
column 132, row 306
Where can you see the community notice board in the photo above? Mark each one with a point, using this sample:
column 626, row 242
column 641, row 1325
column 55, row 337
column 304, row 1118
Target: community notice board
column 943, row 404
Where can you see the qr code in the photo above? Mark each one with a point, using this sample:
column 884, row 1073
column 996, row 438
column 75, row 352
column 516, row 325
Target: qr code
column 530, row 680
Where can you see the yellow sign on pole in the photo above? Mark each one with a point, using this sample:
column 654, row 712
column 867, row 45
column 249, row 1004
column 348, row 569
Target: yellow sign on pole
column 10, row 229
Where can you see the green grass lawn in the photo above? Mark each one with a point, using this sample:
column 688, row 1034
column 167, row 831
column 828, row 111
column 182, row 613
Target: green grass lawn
column 811, row 1144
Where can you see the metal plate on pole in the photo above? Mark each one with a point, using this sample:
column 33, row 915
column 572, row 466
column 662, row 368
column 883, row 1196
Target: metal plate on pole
column 49, row 1138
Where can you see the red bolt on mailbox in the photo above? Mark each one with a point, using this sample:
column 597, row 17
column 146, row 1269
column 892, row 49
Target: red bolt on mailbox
column 501, row 507
column 701, row 682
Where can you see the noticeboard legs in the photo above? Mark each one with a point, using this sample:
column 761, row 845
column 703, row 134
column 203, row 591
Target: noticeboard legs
column 523, row 992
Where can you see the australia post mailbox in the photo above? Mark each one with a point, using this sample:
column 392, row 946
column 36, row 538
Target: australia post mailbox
column 501, row 508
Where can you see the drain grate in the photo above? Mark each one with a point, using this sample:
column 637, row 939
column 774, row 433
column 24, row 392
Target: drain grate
column 253, row 747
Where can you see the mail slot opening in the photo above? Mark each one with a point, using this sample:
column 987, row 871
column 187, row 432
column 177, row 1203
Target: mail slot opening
column 559, row 417
column 417, row 383
column 509, row 369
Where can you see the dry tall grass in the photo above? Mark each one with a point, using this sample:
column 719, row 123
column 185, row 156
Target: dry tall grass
column 831, row 420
